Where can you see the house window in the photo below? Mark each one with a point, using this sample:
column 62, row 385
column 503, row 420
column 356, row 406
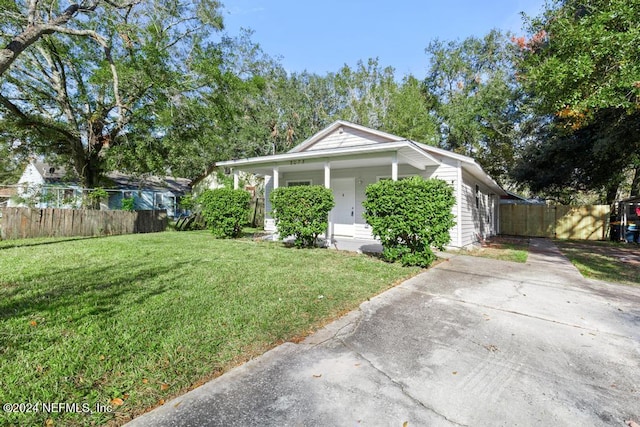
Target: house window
column 477, row 196
column 159, row 201
column 400, row 177
column 298, row 183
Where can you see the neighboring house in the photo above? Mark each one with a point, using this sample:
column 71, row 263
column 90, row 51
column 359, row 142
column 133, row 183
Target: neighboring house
column 511, row 198
column 347, row 157
column 45, row 186
column 150, row 193
column 6, row 194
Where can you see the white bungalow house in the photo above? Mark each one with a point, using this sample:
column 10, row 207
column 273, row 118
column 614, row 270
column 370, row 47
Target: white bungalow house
column 347, row 157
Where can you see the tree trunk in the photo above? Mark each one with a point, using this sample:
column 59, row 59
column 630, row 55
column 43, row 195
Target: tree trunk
column 88, row 163
column 635, row 184
column 611, row 191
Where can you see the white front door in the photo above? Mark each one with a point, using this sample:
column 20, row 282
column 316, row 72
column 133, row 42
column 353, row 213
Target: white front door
column 344, row 213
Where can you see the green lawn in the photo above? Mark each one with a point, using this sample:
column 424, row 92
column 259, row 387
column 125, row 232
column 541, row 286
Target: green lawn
column 607, row 261
column 131, row 321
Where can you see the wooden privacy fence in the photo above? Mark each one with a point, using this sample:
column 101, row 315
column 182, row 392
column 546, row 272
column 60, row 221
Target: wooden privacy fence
column 556, row 221
column 21, row 223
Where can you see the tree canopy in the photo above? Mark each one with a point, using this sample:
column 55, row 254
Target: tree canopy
column 74, row 98
column 473, row 90
column 581, row 67
column 582, row 57
column 153, row 86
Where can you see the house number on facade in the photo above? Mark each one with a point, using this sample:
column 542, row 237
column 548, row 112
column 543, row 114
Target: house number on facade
column 296, row 162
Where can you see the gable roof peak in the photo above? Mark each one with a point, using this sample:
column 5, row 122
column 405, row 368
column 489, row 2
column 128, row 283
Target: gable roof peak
column 344, row 127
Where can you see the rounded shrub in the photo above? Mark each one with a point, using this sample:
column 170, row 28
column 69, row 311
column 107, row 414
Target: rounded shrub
column 409, row 217
column 301, row 212
column 225, row 211
column 128, row 204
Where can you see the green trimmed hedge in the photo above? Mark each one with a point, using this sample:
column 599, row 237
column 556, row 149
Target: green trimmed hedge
column 410, row 216
column 225, row 211
column 301, row 212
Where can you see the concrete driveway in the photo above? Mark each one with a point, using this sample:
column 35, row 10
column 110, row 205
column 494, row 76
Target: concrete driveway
column 471, row 342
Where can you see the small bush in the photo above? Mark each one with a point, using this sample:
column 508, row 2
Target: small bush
column 225, row 211
column 187, row 202
column 128, row 204
column 301, row 212
column 95, row 196
column 410, row 216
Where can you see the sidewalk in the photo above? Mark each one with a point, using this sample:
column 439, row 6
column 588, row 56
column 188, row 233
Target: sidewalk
column 545, row 257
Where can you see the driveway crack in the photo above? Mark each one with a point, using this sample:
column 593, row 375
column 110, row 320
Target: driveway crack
column 400, row 386
column 349, row 323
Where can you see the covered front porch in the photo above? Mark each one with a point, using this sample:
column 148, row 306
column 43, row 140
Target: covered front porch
column 347, row 172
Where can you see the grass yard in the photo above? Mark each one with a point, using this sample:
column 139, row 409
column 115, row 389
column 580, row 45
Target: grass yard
column 608, row 261
column 505, row 248
column 128, row 322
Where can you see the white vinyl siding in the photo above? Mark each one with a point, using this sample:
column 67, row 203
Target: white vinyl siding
column 31, row 176
column 479, row 219
column 448, row 172
column 346, row 137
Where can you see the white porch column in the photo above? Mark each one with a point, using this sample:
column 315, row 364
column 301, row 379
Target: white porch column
column 459, row 204
column 236, row 179
column 327, row 184
column 327, row 175
column 276, row 183
column 276, row 177
column 394, row 166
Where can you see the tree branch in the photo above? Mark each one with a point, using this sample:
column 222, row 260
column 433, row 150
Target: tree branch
column 34, row 31
column 107, row 52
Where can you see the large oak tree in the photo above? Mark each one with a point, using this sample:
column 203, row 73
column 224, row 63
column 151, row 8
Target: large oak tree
column 75, row 98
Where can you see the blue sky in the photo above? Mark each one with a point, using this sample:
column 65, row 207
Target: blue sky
column 322, row 36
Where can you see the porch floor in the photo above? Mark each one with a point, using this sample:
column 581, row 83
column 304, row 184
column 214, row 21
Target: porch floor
column 343, row 243
column 356, row 245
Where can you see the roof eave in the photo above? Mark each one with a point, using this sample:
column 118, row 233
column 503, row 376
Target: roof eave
column 336, row 152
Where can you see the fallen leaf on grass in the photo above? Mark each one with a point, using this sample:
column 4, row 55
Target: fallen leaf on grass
column 144, row 381
column 117, row 401
column 49, row 422
column 34, row 323
column 161, row 402
column 164, row 387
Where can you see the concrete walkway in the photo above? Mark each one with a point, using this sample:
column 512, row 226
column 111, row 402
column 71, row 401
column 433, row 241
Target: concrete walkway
column 471, row 342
